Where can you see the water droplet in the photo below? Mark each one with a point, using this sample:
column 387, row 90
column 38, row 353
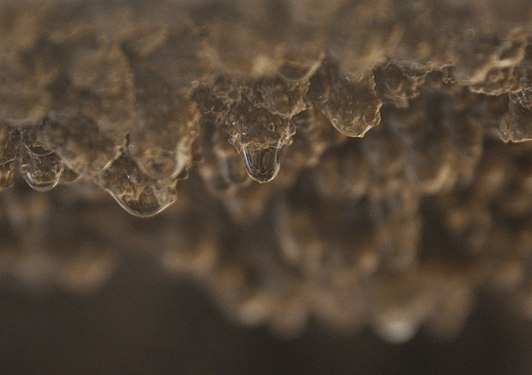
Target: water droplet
column 135, row 192
column 262, row 165
column 40, row 167
column 353, row 108
column 253, row 137
column 146, row 204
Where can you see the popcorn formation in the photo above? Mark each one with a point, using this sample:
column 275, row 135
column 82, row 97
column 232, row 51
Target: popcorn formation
column 391, row 199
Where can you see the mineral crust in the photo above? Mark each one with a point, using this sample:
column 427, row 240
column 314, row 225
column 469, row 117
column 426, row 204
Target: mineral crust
column 392, row 134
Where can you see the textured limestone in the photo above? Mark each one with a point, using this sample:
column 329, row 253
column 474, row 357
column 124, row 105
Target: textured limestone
column 394, row 134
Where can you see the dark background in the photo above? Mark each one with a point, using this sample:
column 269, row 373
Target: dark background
column 143, row 321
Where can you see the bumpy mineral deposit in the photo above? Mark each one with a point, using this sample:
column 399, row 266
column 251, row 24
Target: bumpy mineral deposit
column 354, row 162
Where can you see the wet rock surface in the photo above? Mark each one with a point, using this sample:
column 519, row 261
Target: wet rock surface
column 399, row 178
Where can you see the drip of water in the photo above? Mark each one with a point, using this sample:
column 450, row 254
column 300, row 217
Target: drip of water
column 135, row 192
column 148, row 203
column 262, row 165
column 41, row 168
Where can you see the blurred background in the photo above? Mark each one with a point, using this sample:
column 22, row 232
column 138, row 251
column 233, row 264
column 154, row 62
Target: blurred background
column 146, row 322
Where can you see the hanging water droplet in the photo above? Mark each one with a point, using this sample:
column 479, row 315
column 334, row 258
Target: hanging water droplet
column 260, row 136
column 145, row 205
column 135, row 192
column 262, row 165
column 40, row 167
column 351, row 106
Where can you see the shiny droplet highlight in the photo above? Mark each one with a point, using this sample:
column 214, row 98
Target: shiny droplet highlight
column 136, row 192
column 262, row 165
column 40, row 167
